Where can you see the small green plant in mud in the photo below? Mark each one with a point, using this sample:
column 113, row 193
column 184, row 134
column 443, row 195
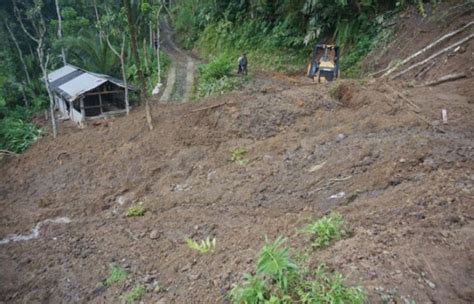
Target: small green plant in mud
column 117, row 274
column 136, row 210
column 278, row 279
column 238, row 154
column 136, row 294
column 325, row 229
column 203, row 246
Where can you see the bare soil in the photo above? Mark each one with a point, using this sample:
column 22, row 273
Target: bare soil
column 408, row 198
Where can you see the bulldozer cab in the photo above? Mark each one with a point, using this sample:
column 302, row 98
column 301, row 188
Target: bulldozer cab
column 324, row 65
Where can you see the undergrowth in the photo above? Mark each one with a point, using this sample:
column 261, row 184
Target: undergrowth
column 238, row 154
column 325, row 230
column 117, row 274
column 136, row 210
column 203, row 246
column 216, row 77
column 135, row 294
column 278, row 279
column 17, row 134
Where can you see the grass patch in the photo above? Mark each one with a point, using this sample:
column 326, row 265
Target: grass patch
column 279, row 279
column 325, row 230
column 136, row 210
column 216, row 77
column 136, row 294
column 238, row 154
column 117, row 274
column 203, row 246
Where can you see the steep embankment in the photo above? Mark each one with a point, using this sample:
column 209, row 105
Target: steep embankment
column 379, row 154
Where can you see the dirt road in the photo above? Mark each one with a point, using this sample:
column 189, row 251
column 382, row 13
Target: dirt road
column 180, row 77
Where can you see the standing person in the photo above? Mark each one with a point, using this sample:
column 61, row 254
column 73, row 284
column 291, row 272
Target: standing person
column 242, row 64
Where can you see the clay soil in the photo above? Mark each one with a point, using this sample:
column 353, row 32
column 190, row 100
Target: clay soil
column 407, row 180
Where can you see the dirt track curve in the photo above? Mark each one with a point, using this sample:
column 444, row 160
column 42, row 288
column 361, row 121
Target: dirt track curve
column 180, row 79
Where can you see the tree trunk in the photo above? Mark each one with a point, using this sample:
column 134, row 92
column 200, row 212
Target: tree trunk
column 60, row 31
column 44, row 69
column 40, row 29
column 133, row 38
column 101, row 32
column 121, row 57
column 158, row 44
column 20, row 53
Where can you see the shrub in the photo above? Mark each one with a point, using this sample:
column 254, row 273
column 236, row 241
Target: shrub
column 278, row 279
column 237, row 155
column 16, row 134
column 136, row 210
column 136, row 294
column 325, row 229
column 328, row 288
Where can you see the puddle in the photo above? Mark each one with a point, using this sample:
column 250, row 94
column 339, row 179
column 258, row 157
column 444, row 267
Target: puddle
column 35, row 232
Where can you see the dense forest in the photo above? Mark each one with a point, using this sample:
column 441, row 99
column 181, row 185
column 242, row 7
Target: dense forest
column 118, row 38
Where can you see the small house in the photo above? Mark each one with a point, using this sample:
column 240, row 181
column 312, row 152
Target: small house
column 80, row 95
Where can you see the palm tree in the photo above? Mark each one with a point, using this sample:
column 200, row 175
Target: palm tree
column 87, row 52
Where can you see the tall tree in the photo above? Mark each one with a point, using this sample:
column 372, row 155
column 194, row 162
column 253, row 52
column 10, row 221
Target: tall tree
column 60, row 30
column 20, row 52
column 132, row 28
column 38, row 24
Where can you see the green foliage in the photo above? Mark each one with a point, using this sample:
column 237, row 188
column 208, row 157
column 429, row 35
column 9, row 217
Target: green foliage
column 117, row 274
column 274, row 261
column 325, row 229
column 278, row 279
column 238, row 154
column 203, row 246
column 215, row 77
column 16, row 134
column 137, row 209
column 252, row 290
column 136, row 294
column 328, row 288
column 88, row 53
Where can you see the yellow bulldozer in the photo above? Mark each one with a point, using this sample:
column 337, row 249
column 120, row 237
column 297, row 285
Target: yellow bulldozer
column 324, row 63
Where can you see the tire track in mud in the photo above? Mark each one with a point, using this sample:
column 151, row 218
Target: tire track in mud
column 180, row 79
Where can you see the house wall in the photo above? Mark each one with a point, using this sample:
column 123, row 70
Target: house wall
column 75, row 116
column 61, row 105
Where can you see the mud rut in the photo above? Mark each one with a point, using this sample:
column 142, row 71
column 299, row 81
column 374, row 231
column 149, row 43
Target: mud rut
column 180, row 77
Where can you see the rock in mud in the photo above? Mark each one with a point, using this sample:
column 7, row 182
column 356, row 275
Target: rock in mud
column 154, row 234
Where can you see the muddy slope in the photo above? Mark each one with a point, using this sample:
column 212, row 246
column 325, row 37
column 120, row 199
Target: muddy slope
column 408, row 195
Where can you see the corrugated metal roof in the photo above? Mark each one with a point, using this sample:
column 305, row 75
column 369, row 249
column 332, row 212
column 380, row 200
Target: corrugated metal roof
column 71, row 82
column 81, row 84
column 55, row 75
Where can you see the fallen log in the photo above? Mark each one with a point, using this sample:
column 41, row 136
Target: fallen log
column 425, row 70
column 446, row 78
column 448, row 35
column 210, row 107
column 408, row 101
column 434, row 55
column 417, row 112
column 6, row 152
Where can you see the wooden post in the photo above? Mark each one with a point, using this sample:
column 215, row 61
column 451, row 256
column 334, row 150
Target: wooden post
column 83, row 110
column 100, row 103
